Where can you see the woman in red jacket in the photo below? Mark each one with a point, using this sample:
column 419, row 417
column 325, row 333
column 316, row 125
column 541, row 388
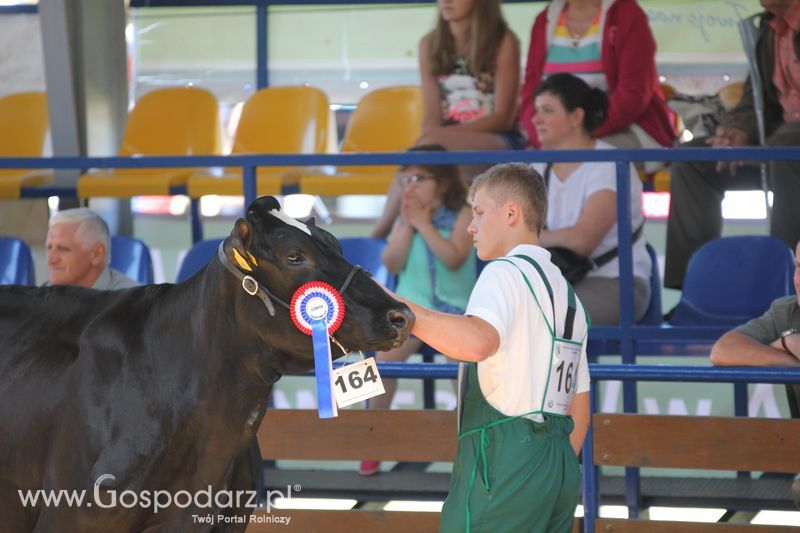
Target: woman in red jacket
column 608, row 43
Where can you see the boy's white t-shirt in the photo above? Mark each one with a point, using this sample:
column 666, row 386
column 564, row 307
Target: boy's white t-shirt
column 514, row 379
column 565, row 201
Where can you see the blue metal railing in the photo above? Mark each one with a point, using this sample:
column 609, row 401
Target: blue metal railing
column 604, row 372
column 621, row 158
column 627, row 334
column 631, row 374
column 626, row 373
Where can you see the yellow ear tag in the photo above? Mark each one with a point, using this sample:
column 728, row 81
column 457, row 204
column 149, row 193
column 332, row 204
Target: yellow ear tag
column 252, row 259
column 241, row 261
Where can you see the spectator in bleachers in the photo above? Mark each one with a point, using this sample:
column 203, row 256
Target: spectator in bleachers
column 469, row 66
column 582, row 197
column 772, row 339
column 79, row 250
column 609, row 44
column 430, row 250
column 697, row 188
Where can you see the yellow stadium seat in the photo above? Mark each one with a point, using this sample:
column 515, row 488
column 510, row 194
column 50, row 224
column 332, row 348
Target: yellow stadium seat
column 386, row 120
column 276, row 120
column 23, row 127
column 175, row 121
column 661, row 180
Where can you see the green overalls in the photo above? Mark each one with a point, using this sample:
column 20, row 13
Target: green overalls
column 510, row 473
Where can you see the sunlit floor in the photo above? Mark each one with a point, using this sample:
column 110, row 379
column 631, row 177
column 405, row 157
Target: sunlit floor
column 673, row 514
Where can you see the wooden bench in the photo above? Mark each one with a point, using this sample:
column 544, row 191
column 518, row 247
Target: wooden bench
column 429, row 436
column 402, row 435
column 707, row 443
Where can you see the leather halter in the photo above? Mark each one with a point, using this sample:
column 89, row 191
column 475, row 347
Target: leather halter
column 253, row 288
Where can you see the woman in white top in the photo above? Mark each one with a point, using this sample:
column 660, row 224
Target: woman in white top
column 582, row 197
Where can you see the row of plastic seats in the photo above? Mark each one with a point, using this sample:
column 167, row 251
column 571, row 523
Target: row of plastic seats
column 23, row 129
column 277, row 120
column 128, row 255
column 364, row 251
column 728, row 281
column 132, row 257
column 181, row 121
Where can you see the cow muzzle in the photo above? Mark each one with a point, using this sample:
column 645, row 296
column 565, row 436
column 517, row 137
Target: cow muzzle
column 402, row 322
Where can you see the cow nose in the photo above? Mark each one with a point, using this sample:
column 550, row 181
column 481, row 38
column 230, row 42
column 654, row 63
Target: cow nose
column 401, row 319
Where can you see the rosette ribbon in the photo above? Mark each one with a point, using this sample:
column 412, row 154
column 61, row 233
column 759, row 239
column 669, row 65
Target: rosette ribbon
column 317, row 309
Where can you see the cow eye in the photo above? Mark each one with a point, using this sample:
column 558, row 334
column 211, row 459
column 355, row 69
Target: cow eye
column 295, row 258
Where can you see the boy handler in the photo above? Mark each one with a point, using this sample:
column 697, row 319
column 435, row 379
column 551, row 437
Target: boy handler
column 525, row 410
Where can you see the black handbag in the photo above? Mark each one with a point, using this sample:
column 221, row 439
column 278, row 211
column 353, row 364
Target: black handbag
column 575, row 267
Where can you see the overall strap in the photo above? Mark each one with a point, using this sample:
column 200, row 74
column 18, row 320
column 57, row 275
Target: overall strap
column 569, row 321
column 550, row 329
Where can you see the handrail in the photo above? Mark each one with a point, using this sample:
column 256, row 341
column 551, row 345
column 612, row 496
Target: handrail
column 782, row 153
column 603, row 372
column 631, row 374
column 628, row 334
column 627, row 373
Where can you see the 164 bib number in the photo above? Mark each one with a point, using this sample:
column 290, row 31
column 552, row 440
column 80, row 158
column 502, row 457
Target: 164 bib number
column 563, row 381
column 357, row 382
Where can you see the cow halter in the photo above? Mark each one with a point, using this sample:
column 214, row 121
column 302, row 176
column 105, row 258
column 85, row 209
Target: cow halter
column 253, row 288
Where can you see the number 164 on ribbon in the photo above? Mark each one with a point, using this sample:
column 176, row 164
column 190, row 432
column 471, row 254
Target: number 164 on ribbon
column 356, row 382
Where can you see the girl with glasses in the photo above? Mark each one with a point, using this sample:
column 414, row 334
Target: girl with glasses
column 430, row 251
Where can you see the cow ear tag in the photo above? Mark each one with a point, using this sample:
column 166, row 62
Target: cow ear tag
column 240, row 260
column 317, row 309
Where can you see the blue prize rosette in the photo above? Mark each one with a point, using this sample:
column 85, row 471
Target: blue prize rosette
column 317, row 309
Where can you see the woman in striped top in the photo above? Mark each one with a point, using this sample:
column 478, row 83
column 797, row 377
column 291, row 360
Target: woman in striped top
column 608, row 44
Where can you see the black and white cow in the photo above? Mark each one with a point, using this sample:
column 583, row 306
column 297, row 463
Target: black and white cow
column 162, row 387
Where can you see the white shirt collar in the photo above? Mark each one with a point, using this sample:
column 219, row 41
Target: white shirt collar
column 532, row 250
column 103, row 280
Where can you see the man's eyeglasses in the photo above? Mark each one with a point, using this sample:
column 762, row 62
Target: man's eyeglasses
column 405, row 179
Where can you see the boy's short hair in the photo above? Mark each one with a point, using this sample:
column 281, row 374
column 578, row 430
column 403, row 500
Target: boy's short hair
column 518, row 182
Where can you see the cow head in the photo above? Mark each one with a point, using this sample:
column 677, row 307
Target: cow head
column 282, row 254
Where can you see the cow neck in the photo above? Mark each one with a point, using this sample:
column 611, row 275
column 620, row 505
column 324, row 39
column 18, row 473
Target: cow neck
column 251, row 286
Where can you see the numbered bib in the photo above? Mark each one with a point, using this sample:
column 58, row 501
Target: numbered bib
column 357, row 382
column 563, row 380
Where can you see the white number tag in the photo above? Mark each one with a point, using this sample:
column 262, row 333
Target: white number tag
column 563, row 377
column 357, row 382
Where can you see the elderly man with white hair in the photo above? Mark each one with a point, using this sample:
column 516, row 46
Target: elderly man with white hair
column 79, row 251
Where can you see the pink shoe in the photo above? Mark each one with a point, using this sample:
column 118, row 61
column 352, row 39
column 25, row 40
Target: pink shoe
column 367, row 468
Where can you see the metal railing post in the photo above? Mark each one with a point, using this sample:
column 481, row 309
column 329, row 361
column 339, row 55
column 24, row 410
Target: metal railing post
column 249, row 184
column 591, row 473
column 626, row 322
